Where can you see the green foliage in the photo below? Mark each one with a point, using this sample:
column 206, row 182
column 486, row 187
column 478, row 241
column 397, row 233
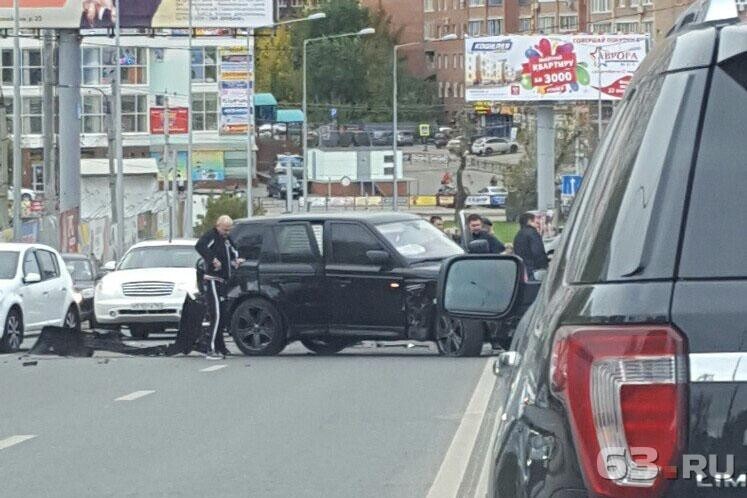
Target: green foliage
column 521, row 182
column 353, row 75
column 232, row 205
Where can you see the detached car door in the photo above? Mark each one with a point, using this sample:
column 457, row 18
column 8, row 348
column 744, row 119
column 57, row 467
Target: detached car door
column 362, row 296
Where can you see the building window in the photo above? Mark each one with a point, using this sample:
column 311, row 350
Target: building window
column 476, row 3
column 32, row 67
column 93, row 114
column 622, row 4
column 461, row 61
column 440, row 89
column 135, row 113
column 7, row 61
column 635, row 3
column 495, row 2
column 474, row 28
column 525, row 25
column 37, row 177
column 456, row 61
column 626, row 27
column 495, row 26
column 600, row 6
column 648, row 27
column 547, row 24
column 602, row 27
column 568, row 23
column 447, row 91
column 31, row 115
column 428, row 6
column 204, row 62
column 99, row 64
column 446, row 61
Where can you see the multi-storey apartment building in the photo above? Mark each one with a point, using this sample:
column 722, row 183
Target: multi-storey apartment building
column 98, row 59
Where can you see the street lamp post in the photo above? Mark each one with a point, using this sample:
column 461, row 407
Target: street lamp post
column 395, row 189
column 305, row 131
column 250, row 104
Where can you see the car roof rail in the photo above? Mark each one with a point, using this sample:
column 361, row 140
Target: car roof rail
column 705, row 11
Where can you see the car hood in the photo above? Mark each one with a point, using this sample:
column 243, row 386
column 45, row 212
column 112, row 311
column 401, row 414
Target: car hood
column 176, row 275
column 426, row 269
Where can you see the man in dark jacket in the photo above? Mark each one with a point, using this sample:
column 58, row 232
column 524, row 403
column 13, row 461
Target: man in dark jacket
column 220, row 258
column 478, row 231
column 528, row 245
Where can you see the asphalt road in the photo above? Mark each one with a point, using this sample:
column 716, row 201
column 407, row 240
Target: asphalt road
column 371, row 421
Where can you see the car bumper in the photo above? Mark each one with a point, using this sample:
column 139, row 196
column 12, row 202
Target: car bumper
column 125, row 310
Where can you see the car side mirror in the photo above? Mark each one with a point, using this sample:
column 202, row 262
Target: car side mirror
column 109, row 266
column 379, row 258
column 32, row 278
column 478, row 247
column 480, row 286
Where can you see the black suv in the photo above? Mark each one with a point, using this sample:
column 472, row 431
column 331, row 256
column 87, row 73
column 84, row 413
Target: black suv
column 333, row 280
column 628, row 375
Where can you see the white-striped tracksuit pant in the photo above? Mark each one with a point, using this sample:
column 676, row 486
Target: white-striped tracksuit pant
column 215, row 293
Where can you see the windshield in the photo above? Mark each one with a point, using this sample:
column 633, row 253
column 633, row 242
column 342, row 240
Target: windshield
column 418, row 240
column 80, row 269
column 160, row 257
column 8, row 264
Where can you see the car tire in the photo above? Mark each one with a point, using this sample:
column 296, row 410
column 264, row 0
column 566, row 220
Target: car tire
column 12, row 332
column 325, row 345
column 72, row 319
column 488, row 152
column 138, row 331
column 458, row 338
column 514, row 149
column 257, row 328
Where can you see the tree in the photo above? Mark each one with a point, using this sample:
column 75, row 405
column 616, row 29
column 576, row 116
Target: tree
column 275, row 62
column 232, row 205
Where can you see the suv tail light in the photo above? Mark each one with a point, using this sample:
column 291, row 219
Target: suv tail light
column 624, row 390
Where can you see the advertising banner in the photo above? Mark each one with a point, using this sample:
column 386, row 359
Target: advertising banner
column 551, row 67
column 101, row 14
column 208, row 165
column 178, row 120
column 234, row 70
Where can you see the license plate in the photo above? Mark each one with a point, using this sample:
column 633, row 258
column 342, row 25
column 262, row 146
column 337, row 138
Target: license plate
column 147, row 306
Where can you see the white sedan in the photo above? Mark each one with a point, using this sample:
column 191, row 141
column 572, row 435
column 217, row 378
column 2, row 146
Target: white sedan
column 493, row 145
column 36, row 291
column 146, row 290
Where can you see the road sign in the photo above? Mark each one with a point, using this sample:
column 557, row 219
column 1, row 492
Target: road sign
column 333, row 112
column 425, row 130
column 570, row 184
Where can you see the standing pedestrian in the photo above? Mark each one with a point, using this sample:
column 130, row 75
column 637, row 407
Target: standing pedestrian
column 529, row 247
column 477, row 229
column 220, row 258
column 437, row 222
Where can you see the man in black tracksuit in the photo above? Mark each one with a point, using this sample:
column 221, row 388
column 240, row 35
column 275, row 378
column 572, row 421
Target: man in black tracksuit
column 529, row 247
column 220, row 259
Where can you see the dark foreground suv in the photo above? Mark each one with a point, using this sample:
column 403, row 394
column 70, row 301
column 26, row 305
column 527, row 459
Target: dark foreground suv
column 332, row 280
column 628, row 376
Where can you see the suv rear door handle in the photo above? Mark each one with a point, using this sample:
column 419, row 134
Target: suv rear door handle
column 344, row 282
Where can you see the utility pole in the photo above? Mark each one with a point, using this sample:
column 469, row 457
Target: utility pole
column 118, row 141
column 111, row 139
column 188, row 198
column 167, row 159
column 48, row 132
column 250, row 122
column 17, row 131
column 3, row 163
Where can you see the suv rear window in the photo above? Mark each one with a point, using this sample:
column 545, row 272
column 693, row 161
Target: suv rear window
column 630, row 208
column 715, row 242
column 248, row 240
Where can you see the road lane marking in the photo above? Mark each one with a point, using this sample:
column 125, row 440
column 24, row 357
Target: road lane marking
column 213, row 368
column 14, row 440
column 451, row 473
column 133, row 396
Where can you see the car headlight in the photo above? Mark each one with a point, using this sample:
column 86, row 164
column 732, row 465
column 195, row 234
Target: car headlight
column 106, row 287
column 77, row 297
column 190, row 289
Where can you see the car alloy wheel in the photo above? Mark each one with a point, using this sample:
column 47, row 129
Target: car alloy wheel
column 71, row 319
column 450, row 335
column 13, row 333
column 257, row 328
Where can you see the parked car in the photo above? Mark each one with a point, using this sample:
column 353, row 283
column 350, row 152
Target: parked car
column 361, row 139
column 331, row 280
column 498, row 195
column 26, row 194
column 405, row 138
column 35, row 291
column 295, row 161
column 381, row 138
column 455, row 144
column 493, row 145
column 146, row 290
column 278, row 186
column 630, row 366
column 84, row 275
column 440, row 140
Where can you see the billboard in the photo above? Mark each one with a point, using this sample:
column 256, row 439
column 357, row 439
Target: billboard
column 234, row 71
column 551, row 67
column 101, row 14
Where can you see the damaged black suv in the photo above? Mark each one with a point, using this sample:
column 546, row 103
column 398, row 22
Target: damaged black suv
column 330, row 280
